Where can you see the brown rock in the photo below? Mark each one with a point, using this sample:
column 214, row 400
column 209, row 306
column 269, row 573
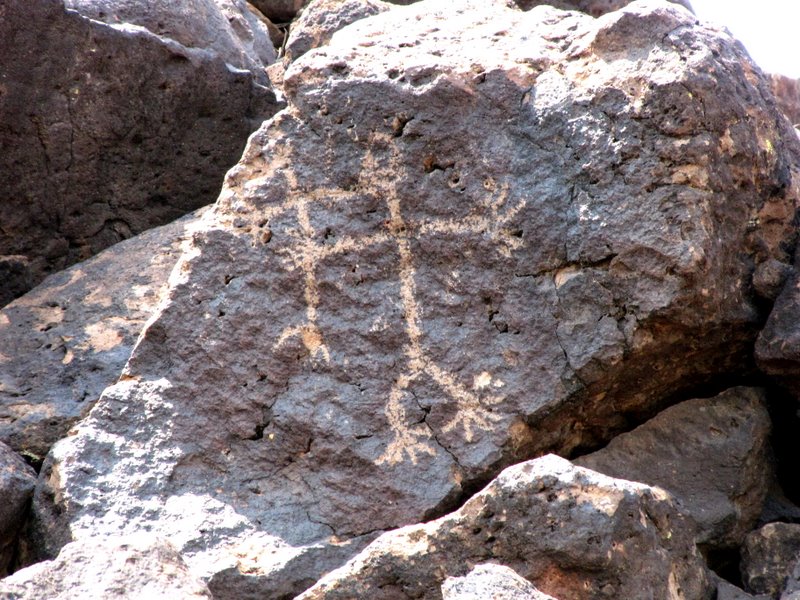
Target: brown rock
column 68, row 339
column 474, row 235
column 572, row 532
column 134, row 567
column 17, row 480
column 787, row 93
column 768, row 556
column 279, row 11
column 713, row 454
column 106, row 131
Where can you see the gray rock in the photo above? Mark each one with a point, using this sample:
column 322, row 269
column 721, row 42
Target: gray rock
column 572, row 532
column 728, row 591
column 769, row 555
column 17, row 481
column 320, row 19
column 491, row 581
column 713, row 454
column 132, row 567
column 107, row 131
column 474, row 235
column 226, row 27
column 68, row 339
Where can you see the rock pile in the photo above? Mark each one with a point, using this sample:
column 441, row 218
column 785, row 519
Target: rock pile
column 480, row 234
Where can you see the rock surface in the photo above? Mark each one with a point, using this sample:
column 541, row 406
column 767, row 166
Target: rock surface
column 476, row 234
column 787, row 93
column 279, row 11
column 226, row 27
column 777, row 349
column 594, row 8
column 139, row 567
column 712, row 454
column 572, row 532
column 68, row 339
column 17, row 481
column 491, row 581
column 728, row 591
column 769, row 555
column 106, row 131
column 320, row 19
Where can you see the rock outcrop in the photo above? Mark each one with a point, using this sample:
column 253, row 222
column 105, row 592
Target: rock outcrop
column 67, row 340
column 139, row 567
column 712, row 454
column 575, row 533
column 105, row 131
column 476, row 234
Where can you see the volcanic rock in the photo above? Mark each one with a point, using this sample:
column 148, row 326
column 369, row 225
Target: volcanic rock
column 107, row 130
column 769, row 555
column 226, row 27
column 68, row 339
column 279, row 11
column 572, row 532
column 17, row 480
column 134, row 567
column 712, row 454
column 475, row 234
column 320, row 19
column 491, row 581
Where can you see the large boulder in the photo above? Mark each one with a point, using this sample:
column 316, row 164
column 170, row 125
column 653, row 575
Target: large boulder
column 107, row 130
column 712, row 454
column 572, row 532
column 226, row 27
column 65, row 341
column 475, row 234
column 141, row 567
column 17, row 480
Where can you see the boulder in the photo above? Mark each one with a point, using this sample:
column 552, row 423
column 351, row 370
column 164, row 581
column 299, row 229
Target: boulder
column 787, row 94
column 68, row 339
column 17, row 480
column 491, row 581
column 107, row 130
column 226, row 27
column 476, row 234
column 572, row 532
column 279, row 11
column 320, row 19
column 728, row 591
column 712, row 454
column 769, row 555
column 777, row 348
column 596, row 8
column 132, row 567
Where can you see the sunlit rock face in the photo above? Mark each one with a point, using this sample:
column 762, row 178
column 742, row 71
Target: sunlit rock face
column 475, row 234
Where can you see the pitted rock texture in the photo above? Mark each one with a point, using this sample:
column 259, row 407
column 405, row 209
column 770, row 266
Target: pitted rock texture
column 769, row 555
column 712, row 454
column 140, row 567
column 17, row 480
column 226, row 27
column 572, row 532
column 491, row 581
column 320, row 19
column 106, row 131
column 475, row 234
column 67, row 340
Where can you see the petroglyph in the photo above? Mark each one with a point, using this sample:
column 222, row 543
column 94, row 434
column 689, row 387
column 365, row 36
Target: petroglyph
column 490, row 217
